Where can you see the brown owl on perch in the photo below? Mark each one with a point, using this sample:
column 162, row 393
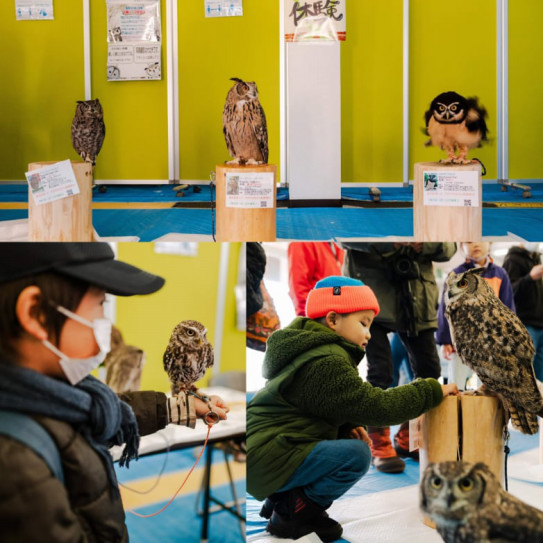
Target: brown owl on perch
column 88, row 129
column 492, row 341
column 244, row 125
column 455, row 123
column 188, row 355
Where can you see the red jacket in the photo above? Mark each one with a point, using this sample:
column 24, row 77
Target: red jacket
column 309, row 263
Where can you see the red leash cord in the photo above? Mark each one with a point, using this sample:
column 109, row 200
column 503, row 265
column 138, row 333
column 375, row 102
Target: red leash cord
column 209, row 425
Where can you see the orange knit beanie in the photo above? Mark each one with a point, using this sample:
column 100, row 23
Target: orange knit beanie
column 340, row 294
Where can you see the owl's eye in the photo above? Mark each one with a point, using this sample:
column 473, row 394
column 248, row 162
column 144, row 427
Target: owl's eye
column 441, row 108
column 453, row 108
column 466, row 484
column 463, row 283
column 190, row 332
column 436, row 482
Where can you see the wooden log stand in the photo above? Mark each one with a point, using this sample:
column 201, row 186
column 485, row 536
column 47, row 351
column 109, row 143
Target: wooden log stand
column 244, row 223
column 68, row 219
column 466, row 427
column 445, row 222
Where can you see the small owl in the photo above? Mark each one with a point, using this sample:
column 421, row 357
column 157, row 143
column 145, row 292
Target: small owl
column 455, row 123
column 493, row 342
column 124, row 364
column 88, row 129
column 188, row 355
column 244, row 125
column 468, row 505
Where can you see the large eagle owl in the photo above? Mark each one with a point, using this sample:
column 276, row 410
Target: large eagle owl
column 244, row 125
column 455, row 123
column 88, row 129
column 187, row 356
column 124, row 364
column 493, row 342
column 468, row 505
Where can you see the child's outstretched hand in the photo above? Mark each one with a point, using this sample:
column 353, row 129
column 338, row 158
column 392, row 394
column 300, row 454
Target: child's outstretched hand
column 450, row 390
column 360, row 433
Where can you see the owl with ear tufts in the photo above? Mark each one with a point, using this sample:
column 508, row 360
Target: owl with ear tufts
column 468, row 505
column 88, row 129
column 244, row 125
column 455, row 124
column 491, row 340
column 188, row 355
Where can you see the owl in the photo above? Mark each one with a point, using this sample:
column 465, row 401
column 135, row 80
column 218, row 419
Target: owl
column 491, row 340
column 455, row 123
column 244, row 125
column 187, row 356
column 124, row 364
column 468, row 505
column 88, row 129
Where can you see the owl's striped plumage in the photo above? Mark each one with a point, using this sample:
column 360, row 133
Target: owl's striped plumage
column 244, row 125
column 88, row 129
column 188, row 355
column 491, row 340
column 455, row 123
column 468, row 505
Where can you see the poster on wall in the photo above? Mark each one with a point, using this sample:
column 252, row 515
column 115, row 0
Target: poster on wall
column 250, row 190
column 322, row 20
column 223, row 8
column 33, row 10
column 52, row 182
column 460, row 189
column 134, row 40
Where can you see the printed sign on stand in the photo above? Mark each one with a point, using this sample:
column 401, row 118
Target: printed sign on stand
column 459, row 189
column 134, row 40
column 322, row 20
column 223, row 8
column 250, row 191
column 52, row 182
column 33, row 10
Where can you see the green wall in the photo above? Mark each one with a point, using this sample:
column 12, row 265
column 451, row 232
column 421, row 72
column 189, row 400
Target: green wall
column 450, row 49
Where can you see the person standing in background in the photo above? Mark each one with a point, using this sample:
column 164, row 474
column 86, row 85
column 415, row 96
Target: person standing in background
column 309, row 263
column 477, row 255
column 526, row 272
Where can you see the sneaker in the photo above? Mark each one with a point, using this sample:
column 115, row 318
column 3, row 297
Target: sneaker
column 393, row 464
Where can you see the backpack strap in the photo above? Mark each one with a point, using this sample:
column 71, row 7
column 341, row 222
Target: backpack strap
column 27, row 431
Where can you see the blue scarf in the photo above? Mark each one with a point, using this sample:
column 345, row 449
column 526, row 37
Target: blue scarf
column 91, row 407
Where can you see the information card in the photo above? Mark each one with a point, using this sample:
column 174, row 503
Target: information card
column 444, row 188
column 250, row 190
column 52, row 182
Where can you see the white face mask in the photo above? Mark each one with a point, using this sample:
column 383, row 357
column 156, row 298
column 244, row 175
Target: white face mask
column 76, row 369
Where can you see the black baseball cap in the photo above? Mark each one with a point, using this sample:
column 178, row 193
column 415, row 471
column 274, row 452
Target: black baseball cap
column 93, row 263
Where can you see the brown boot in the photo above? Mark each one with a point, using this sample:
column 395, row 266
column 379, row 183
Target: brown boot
column 401, row 443
column 384, row 456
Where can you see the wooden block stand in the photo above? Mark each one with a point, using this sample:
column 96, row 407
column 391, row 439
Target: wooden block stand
column 468, row 428
column 442, row 222
column 68, row 219
column 244, row 224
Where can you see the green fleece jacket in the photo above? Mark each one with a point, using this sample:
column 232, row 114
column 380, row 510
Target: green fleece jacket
column 314, row 393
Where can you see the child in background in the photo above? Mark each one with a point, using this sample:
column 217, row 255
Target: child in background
column 477, row 255
column 306, row 441
column 52, row 335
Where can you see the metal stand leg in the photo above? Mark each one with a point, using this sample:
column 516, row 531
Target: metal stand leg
column 207, row 492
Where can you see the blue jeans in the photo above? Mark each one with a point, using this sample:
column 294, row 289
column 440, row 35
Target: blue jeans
column 330, row 469
column 537, row 337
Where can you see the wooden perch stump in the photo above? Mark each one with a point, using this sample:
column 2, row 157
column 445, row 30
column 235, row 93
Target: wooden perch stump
column 246, row 202
column 466, row 427
column 447, row 202
column 67, row 219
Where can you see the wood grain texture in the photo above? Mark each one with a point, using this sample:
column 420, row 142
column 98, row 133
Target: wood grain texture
column 68, row 219
column 445, row 223
column 235, row 224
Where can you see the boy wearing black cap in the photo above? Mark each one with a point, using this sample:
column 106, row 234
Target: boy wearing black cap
column 305, row 436
column 52, row 335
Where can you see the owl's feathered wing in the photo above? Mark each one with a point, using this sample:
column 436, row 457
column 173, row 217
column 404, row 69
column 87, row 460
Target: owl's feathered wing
column 260, row 128
column 186, row 366
column 491, row 339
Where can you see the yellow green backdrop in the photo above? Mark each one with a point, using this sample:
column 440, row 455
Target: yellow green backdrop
column 450, row 49
column 190, row 292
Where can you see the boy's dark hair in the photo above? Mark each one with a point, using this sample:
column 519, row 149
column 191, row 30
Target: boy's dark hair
column 56, row 290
